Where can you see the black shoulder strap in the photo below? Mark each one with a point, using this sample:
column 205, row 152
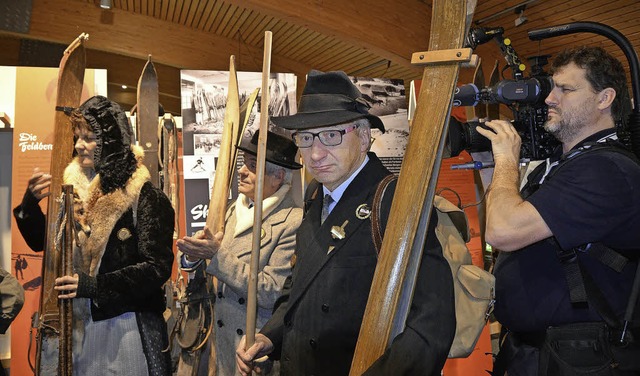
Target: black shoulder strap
column 376, row 229
column 582, row 287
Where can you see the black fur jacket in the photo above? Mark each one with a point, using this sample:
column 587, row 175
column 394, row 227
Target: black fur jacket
column 122, row 258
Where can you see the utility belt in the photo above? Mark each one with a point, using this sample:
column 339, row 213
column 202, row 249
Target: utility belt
column 579, row 349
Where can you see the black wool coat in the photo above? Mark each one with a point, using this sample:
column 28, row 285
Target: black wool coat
column 316, row 321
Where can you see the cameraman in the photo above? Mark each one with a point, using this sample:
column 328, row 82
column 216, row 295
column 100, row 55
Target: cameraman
column 576, row 213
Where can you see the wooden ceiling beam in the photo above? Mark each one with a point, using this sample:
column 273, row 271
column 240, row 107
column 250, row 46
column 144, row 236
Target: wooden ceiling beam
column 391, row 29
column 135, row 35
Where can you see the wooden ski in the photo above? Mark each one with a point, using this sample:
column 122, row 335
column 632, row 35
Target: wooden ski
column 147, row 120
column 393, row 282
column 169, row 164
column 189, row 359
column 478, row 111
column 246, row 110
column 493, row 109
column 69, row 91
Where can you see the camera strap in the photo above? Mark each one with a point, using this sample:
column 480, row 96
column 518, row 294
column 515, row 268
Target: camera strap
column 582, row 288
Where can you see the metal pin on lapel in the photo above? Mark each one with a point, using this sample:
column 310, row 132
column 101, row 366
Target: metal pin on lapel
column 338, row 232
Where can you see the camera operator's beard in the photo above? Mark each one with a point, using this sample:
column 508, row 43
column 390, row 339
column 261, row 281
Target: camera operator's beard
column 568, row 127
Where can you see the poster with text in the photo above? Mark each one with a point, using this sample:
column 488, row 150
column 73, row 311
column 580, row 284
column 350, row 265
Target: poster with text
column 31, row 95
column 204, row 97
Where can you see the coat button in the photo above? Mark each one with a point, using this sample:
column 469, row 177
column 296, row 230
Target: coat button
column 287, row 323
column 313, row 343
column 241, row 300
column 239, row 331
column 220, row 324
column 325, row 308
column 220, row 295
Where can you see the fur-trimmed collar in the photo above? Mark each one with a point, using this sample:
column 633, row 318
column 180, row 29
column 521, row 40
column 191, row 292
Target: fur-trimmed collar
column 101, row 212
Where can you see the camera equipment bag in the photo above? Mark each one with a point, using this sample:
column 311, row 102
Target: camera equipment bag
column 473, row 286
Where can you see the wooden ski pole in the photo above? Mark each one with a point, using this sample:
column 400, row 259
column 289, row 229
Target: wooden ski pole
column 394, row 279
column 65, row 352
column 252, row 298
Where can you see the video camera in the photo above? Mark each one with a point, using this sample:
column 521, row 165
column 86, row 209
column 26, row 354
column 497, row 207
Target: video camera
column 523, row 95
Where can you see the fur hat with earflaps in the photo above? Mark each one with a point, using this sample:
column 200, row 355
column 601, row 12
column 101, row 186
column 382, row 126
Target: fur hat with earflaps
column 328, row 99
column 113, row 159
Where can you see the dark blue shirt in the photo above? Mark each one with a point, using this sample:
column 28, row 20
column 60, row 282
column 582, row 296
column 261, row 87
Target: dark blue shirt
column 594, row 198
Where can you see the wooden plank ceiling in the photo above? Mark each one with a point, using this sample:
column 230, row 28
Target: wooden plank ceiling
column 372, row 38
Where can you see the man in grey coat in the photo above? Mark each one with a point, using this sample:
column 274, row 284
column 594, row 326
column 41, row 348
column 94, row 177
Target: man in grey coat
column 229, row 254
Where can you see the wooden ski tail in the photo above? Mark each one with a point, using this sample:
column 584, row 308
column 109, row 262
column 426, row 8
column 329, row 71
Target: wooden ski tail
column 70, row 81
column 147, row 120
column 393, row 281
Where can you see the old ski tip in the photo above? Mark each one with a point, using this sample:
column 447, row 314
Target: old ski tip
column 149, row 59
column 76, row 42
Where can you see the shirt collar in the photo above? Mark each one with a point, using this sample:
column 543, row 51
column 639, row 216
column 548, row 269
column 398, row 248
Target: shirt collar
column 339, row 191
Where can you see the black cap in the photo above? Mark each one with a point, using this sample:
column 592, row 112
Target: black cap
column 280, row 150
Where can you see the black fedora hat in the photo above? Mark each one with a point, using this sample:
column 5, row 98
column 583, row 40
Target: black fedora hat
column 328, row 99
column 280, row 150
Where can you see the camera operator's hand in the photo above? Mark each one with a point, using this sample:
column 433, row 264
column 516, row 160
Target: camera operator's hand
column 505, row 140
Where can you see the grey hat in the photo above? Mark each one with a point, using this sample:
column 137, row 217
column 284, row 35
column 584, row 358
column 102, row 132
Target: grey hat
column 328, row 99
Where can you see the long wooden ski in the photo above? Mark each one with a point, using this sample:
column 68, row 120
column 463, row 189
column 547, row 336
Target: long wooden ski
column 189, row 359
column 69, row 91
column 169, row 164
column 147, row 120
column 394, row 279
column 493, row 109
column 480, row 110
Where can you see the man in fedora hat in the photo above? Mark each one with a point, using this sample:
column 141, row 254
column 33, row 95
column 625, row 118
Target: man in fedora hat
column 229, row 254
column 315, row 326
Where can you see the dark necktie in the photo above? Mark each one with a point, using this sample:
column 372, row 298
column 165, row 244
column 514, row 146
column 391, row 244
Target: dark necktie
column 326, row 201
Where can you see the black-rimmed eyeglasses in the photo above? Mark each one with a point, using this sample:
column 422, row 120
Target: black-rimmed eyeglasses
column 331, row 137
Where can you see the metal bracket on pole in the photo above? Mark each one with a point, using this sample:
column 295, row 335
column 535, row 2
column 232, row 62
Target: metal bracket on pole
column 460, row 55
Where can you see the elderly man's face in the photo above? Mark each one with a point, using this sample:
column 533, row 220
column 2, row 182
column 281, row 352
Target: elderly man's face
column 332, row 165
column 247, row 179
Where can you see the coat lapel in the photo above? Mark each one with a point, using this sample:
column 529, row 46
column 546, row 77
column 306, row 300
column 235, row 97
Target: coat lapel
column 314, row 240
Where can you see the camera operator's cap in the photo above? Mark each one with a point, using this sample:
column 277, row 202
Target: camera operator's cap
column 280, row 150
column 328, row 99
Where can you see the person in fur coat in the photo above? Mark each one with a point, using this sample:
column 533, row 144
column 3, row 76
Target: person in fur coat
column 123, row 250
column 229, row 254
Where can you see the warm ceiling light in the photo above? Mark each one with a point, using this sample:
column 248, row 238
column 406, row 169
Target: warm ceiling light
column 124, row 87
column 105, row 4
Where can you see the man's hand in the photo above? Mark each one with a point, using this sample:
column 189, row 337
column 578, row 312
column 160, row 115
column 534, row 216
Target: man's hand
column 248, row 360
column 38, row 182
column 202, row 245
column 67, row 285
column 505, row 140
